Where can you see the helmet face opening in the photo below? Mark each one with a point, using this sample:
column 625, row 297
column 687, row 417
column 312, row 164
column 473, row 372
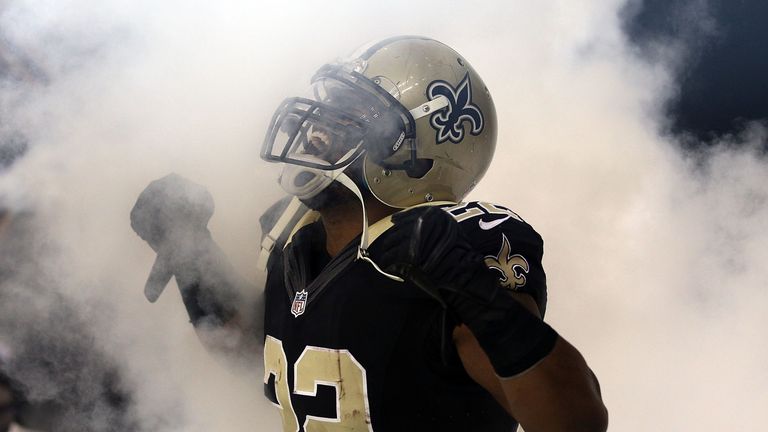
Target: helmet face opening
column 346, row 115
column 313, row 134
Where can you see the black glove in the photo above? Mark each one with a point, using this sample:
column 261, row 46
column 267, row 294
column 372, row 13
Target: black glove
column 172, row 215
column 427, row 247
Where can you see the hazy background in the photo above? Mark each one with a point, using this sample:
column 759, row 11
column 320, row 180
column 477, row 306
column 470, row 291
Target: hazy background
column 654, row 226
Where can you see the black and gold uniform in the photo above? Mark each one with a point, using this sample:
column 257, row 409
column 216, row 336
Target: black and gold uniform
column 348, row 348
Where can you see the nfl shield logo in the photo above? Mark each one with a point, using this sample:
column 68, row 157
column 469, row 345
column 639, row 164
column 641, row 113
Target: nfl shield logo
column 299, row 303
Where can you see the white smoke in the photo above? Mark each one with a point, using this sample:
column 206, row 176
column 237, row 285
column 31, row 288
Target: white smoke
column 653, row 256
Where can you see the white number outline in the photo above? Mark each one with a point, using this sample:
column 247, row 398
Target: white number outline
column 340, row 363
column 469, row 210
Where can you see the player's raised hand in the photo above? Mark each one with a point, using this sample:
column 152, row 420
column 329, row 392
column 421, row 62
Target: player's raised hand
column 171, row 215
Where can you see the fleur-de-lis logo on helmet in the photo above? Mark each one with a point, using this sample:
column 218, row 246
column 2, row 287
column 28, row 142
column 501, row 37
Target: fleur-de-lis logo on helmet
column 449, row 123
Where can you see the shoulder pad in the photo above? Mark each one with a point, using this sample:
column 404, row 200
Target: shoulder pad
column 479, row 218
column 380, row 227
column 278, row 223
column 510, row 246
column 269, row 218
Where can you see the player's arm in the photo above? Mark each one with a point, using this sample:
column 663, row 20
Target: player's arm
column 171, row 215
column 558, row 393
column 540, row 378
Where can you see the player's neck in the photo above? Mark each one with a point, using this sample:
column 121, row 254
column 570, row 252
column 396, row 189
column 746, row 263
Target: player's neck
column 344, row 222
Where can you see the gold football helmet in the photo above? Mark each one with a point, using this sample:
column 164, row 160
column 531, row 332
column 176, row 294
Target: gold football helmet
column 410, row 111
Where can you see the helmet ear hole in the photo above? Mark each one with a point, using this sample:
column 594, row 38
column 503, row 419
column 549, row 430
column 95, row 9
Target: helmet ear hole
column 418, row 168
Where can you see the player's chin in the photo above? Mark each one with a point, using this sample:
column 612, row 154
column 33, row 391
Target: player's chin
column 335, row 195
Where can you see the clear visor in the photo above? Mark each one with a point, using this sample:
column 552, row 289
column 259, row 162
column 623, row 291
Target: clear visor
column 325, row 131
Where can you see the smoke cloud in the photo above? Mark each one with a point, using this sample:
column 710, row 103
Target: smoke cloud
column 654, row 256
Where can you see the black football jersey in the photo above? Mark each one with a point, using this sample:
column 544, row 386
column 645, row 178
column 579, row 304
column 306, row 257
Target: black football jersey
column 347, row 348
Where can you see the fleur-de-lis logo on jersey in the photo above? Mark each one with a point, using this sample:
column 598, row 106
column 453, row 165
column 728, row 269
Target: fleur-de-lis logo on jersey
column 513, row 268
column 449, row 123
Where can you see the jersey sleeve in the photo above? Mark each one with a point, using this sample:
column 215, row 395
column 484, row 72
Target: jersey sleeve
column 510, row 246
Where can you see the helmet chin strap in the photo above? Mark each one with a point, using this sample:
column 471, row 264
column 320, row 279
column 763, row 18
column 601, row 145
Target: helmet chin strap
column 362, row 249
column 320, row 181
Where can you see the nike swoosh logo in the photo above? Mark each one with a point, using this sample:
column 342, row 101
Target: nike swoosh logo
column 492, row 224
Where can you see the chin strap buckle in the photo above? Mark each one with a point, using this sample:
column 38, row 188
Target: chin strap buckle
column 363, row 255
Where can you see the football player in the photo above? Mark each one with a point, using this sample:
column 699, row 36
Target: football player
column 390, row 304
